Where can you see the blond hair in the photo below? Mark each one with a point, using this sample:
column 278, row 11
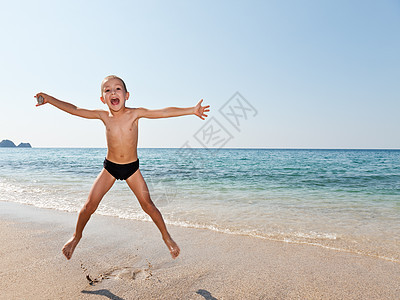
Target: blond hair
column 112, row 77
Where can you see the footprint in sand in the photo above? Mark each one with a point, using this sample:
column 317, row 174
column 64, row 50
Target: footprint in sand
column 127, row 273
column 124, row 273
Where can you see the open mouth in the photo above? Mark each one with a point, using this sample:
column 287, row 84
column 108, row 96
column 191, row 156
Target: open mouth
column 115, row 101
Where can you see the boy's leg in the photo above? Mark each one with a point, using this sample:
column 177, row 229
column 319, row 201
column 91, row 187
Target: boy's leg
column 100, row 187
column 139, row 187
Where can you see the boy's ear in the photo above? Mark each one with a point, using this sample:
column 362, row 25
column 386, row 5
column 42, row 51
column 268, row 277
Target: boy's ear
column 127, row 96
column 102, row 100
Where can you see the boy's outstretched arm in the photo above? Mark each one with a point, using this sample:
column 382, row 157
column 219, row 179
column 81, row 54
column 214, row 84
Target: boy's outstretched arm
column 69, row 108
column 169, row 112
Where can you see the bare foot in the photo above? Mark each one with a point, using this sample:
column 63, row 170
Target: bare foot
column 173, row 247
column 69, row 247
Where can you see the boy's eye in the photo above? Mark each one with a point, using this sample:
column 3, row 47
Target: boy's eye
column 107, row 91
column 118, row 88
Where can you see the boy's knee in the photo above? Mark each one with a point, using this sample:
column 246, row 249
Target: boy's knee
column 89, row 208
column 149, row 207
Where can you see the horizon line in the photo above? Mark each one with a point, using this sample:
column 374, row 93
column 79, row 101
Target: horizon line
column 210, row 148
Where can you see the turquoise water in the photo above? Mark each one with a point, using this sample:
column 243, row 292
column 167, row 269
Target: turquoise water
column 347, row 200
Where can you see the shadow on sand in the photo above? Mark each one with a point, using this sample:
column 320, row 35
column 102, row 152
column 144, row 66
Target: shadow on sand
column 105, row 293
column 206, row 294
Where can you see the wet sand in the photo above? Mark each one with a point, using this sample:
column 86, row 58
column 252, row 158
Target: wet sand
column 125, row 259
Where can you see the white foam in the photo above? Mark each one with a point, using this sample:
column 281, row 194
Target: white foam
column 316, row 235
column 54, row 197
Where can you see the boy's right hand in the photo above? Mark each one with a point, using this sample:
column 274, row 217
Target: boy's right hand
column 43, row 97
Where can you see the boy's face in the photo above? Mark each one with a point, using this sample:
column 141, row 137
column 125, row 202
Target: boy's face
column 114, row 94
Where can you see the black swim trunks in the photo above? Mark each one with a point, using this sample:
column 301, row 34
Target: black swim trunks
column 121, row 172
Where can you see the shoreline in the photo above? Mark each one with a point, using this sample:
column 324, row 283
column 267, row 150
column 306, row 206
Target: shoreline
column 130, row 261
column 216, row 229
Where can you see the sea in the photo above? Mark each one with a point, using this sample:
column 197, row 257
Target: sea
column 339, row 200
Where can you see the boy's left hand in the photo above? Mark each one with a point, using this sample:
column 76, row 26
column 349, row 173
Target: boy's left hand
column 200, row 110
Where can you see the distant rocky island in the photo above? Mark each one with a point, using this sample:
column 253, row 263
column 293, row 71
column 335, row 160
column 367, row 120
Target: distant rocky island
column 10, row 144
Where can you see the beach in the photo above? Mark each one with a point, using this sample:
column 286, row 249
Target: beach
column 128, row 260
column 346, row 200
column 251, row 224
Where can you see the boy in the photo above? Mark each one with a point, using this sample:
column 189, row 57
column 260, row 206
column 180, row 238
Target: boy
column 121, row 161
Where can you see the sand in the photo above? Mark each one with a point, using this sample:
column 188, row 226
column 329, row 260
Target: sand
column 127, row 259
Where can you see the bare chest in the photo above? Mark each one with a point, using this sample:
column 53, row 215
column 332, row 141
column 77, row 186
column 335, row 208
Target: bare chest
column 121, row 128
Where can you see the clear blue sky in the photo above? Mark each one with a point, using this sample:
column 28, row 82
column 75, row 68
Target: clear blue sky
column 320, row 74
